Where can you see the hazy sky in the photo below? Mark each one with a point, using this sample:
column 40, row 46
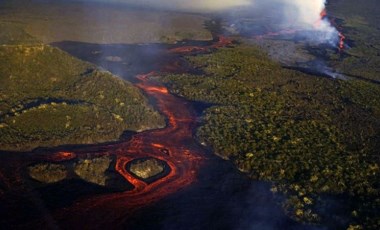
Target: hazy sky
column 190, row 5
column 303, row 14
column 307, row 11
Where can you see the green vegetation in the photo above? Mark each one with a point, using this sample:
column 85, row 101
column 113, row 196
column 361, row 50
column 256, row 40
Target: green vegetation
column 11, row 34
column 314, row 138
column 96, row 170
column 93, row 170
column 48, row 173
column 360, row 25
column 50, row 98
column 147, row 168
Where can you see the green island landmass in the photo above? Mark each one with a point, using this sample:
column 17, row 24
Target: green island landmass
column 147, row 168
column 49, row 98
column 312, row 137
column 95, row 170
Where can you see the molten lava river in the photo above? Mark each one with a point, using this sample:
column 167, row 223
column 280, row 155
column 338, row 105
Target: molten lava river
column 195, row 190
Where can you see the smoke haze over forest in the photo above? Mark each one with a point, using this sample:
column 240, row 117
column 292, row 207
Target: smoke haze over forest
column 287, row 14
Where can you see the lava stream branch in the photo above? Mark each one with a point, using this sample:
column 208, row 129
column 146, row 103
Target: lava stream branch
column 169, row 145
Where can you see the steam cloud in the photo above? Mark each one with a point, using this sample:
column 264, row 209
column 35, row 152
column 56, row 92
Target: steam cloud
column 307, row 15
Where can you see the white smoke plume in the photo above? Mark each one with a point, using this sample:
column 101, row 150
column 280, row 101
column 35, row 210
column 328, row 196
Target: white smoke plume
column 308, row 15
column 293, row 14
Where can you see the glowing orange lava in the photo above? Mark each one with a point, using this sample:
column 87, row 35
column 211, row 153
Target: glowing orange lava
column 61, row 156
column 323, row 13
column 221, row 42
column 157, row 89
column 157, row 145
column 163, row 144
column 169, row 144
column 341, row 41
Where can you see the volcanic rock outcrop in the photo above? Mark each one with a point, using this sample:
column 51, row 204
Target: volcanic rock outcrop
column 93, row 170
column 147, row 168
column 48, row 173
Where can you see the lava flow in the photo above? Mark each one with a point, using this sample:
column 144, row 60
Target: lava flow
column 169, row 144
column 61, row 156
column 221, row 42
column 341, row 41
column 332, row 22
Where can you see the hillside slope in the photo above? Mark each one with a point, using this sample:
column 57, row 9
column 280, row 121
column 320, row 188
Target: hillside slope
column 49, row 98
